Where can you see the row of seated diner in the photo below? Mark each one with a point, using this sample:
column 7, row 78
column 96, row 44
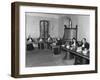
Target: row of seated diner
column 42, row 43
column 78, row 50
column 57, row 43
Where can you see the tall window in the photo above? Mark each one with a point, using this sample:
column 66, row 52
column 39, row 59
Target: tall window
column 44, row 29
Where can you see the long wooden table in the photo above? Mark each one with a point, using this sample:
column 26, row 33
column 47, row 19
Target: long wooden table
column 76, row 53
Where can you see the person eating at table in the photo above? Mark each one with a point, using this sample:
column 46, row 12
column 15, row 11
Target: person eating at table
column 85, row 51
column 49, row 41
column 30, row 43
column 73, row 44
column 84, row 44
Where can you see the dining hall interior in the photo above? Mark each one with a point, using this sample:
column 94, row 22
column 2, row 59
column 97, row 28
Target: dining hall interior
column 57, row 39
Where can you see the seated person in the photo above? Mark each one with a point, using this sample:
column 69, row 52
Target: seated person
column 85, row 50
column 35, row 42
column 49, row 41
column 54, row 41
column 30, row 43
column 56, row 46
column 85, row 44
column 40, row 40
column 73, row 44
column 67, row 44
column 85, row 47
column 59, row 42
column 40, row 43
column 30, row 38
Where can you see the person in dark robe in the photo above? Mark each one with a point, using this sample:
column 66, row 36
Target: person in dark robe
column 59, row 42
column 30, row 43
column 85, row 50
column 41, row 43
column 73, row 44
column 49, row 42
column 84, row 44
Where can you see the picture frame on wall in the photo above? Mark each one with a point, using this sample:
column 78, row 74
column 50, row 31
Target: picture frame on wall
column 40, row 44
